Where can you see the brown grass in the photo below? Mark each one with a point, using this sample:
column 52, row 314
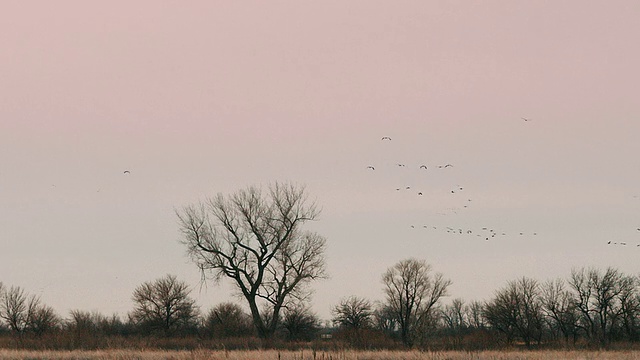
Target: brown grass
column 324, row 355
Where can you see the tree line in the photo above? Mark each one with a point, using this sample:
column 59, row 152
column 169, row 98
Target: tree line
column 255, row 238
column 591, row 307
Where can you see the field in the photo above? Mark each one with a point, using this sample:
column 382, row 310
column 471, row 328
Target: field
column 324, row 355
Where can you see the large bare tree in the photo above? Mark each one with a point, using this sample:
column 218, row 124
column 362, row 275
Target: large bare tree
column 255, row 238
column 412, row 291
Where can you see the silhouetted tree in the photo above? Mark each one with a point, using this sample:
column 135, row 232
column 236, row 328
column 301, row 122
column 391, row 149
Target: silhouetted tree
column 23, row 313
column 256, row 240
column 596, row 296
column 42, row 319
column 474, row 316
column 228, row 320
column 412, row 292
column 13, row 309
column 300, row 323
column 630, row 307
column 559, row 309
column 164, row 306
column 455, row 321
column 384, row 319
column 353, row 313
column 516, row 311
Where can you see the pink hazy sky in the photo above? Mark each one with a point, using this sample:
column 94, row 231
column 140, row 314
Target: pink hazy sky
column 208, row 96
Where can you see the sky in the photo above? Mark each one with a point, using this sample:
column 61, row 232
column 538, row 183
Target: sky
column 208, row 97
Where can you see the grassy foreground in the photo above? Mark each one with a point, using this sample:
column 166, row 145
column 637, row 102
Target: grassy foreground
column 324, row 355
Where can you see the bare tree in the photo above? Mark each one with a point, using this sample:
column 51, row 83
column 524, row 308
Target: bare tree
column 454, row 315
column 228, row 320
column 41, row 318
column 596, row 296
column 412, row 292
column 14, row 309
column 516, row 311
column 300, row 323
column 164, row 305
column 630, row 306
column 24, row 313
column 474, row 316
column 559, row 308
column 384, row 319
column 256, row 240
column 353, row 313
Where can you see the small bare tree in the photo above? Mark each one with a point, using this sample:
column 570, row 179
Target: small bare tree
column 256, row 240
column 14, row 309
column 228, row 320
column 454, row 315
column 353, row 313
column 41, row 318
column 454, row 318
column 24, row 313
column 165, row 306
column 474, row 316
column 412, row 291
column 300, row 323
column 384, row 319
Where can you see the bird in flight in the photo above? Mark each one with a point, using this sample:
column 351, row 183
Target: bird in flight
column 525, row 119
column 423, row 167
column 127, row 172
column 386, row 138
column 400, row 165
column 371, row 167
column 420, row 194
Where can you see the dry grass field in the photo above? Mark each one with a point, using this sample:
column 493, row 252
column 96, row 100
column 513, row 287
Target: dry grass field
column 324, row 355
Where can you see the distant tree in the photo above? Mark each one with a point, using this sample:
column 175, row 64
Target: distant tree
column 83, row 322
column 412, row 291
column 597, row 298
column 14, row 309
column 353, row 313
column 516, row 311
column 300, row 323
column 559, row 309
column 454, row 320
column 384, row 319
column 473, row 314
column 227, row 320
column 95, row 323
column 41, row 319
column 23, row 313
column 256, row 240
column 164, row 306
column 629, row 298
column 454, row 315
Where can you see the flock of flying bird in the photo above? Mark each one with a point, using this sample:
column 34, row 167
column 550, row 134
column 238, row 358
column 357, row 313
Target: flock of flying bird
column 485, row 232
